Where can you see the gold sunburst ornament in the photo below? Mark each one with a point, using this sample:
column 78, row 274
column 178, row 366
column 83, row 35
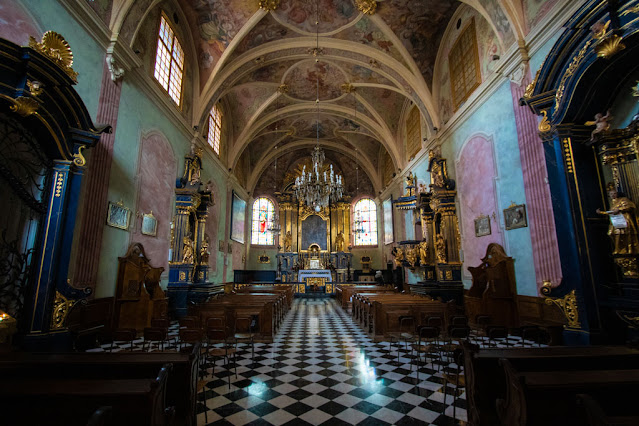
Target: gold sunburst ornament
column 56, row 48
column 610, row 46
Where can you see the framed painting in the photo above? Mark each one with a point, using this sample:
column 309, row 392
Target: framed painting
column 118, row 216
column 515, row 217
column 149, row 224
column 238, row 218
column 387, row 207
column 482, row 226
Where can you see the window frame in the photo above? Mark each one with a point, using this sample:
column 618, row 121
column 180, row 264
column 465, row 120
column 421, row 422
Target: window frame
column 208, row 133
column 253, row 220
column 376, row 239
column 458, row 101
column 164, row 16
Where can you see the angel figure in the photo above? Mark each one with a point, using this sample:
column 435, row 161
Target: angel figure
column 601, row 123
column 204, row 251
column 440, row 247
column 411, row 256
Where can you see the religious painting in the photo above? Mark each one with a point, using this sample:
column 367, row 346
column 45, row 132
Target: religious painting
column 482, row 226
column 238, row 218
column 149, row 224
column 515, row 217
column 387, row 206
column 118, row 215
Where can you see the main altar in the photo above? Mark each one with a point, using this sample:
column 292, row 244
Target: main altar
column 313, row 245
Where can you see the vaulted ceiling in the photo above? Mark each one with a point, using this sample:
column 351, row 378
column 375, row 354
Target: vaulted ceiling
column 266, row 61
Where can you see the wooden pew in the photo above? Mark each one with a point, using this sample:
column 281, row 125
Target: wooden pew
column 345, row 292
column 268, row 288
column 182, row 380
column 72, row 401
column 554, row 376
column 262, row 306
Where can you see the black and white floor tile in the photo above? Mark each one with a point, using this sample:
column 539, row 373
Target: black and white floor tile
column 323, row 369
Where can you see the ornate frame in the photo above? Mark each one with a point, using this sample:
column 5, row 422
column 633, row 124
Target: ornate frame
column 114, row 215
column 150, row 221
column 515, row 211
column 479, row 221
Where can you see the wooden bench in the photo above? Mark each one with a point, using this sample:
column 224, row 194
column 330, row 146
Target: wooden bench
column 540, row 385
column 72, row 401
column 181, row 385
column 264, row 307
column 345, row 292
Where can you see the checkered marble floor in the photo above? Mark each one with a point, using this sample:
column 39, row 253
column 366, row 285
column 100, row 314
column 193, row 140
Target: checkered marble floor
column 322, row 369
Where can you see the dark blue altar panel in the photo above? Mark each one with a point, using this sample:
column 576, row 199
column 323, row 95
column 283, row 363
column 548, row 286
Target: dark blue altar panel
column 314, row 232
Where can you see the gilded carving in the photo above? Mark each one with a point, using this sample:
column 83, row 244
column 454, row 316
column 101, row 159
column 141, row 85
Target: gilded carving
column 531, row 87
column 367, row 7
column 628, row 266
column 347, row 88
column 35, row 88
column 546, row 288
column 182, row 276
column 78, row 158
column 188, row 250
column 568, row 304
column 268, row 5
column 24, row 106
column 544, row 125
column 623, row 224
column 61, row 308
column 610, row 46
column 568, row 155
column 411, row 256
column 576, row 61
column 423, row 252
column 399, row 256
column 440, row 248
column 449, row 275
column 56, row 48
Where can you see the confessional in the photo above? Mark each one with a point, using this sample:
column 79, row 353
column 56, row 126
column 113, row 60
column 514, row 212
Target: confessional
column 138, row 296
column 494, row 289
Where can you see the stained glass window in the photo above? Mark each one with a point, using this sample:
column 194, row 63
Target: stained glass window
column 365, row 218
column 263, row 211
column 215, row 129
column 169, row 61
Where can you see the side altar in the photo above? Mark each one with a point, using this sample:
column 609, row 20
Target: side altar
column 189, row 251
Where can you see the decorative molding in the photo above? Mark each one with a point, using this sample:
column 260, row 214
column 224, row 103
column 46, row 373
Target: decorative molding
column 609, row 46
column 568, row 305
column 61, row 308
column 78, row 158
column 544, row 125
column 518, row 75
column 115, row 71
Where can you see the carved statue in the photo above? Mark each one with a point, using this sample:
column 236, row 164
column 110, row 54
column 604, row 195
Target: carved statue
column 339, row 241
column 288, row 241
column 437, row 174
column 440, row 248
column 601, row 123
column 189, row 252
column 399, row 256
column 204, row 251
column 624, row 236
column 411, row 256
column 423, row 252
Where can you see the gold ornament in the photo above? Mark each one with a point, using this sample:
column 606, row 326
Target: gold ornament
column 56, row 48
column 367, row 7
column 24, row 106
column 61, row 308
column 610, row 46
column 78, row 158
column 544, row 126
column 268, row 5
column 568, row 304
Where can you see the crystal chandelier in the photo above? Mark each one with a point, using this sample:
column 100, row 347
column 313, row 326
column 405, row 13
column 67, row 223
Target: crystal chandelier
column 319, row 187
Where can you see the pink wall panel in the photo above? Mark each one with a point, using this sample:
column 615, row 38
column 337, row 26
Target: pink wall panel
column 156, row 186
column 475, row 172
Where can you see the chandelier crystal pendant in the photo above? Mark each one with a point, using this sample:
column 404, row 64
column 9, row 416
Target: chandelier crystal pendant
column 319, row 187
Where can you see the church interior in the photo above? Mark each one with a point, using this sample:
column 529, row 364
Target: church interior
column 305, row 212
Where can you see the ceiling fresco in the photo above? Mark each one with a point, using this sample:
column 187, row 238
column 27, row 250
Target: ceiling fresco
column 264, row 65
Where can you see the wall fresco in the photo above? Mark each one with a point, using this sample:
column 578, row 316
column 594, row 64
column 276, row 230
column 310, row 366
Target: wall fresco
column 536, row 10
column 15, row 23
column 303, row 80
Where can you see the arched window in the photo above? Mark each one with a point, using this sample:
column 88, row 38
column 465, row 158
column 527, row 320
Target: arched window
column 263, row 212
column 365, row 222
column 215, row 129
column 169, row 61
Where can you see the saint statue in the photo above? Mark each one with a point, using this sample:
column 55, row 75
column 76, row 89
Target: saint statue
column 423, row 252
column 204, row 251
column 623, row 222
column 440, row 248
column 339, row 241
column 288, row 241
column 411, row 256
column 399, row 256
column 188, row 256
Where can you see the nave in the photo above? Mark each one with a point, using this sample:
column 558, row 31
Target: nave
column 323, row 369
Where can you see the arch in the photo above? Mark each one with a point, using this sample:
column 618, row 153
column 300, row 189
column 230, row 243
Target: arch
column 262, row 215
column 365, row 221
